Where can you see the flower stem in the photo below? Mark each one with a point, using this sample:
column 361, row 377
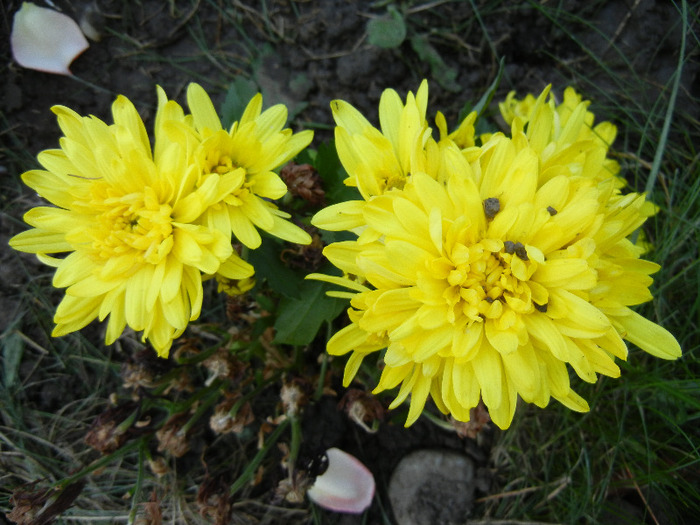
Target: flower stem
column 101, row 462
column 324, row 365
column 139, row 481
column 255, row 462
column 296, row 441
column 210, row 399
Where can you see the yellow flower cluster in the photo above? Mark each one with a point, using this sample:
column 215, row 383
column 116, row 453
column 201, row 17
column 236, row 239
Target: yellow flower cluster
column 483, row 266
column 138, row 228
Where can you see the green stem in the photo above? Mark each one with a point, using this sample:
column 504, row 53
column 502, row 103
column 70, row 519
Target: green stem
column 212, row 398
column 437, row 421
column 656, row 165
column 139, row 481
column 126, row 424
column 203, row 392
column 255, row 462
column 296, row 441
column 321, row 378
column 101, row 462
column 239, row 403
column 205, row 354
column 324, row 365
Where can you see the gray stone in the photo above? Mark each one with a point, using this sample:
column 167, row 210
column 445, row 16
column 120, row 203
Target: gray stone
column 432, row 486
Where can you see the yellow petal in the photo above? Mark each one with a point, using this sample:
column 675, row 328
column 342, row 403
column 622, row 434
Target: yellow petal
column 342, row 216
column 488, row 369
column 203, row 111
column 346, row 340
column 419, row 395
column 648, row 336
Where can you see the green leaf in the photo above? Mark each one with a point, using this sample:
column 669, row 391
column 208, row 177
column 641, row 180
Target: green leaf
column 239, row 94
column 299, row 320
column 267, row 261
column 333, row 174
column 13, row 348
column 389, row 31
column 487, row 97
column 446, row 76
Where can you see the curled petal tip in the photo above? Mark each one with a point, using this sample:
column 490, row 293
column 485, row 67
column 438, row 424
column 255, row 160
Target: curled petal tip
column 45, row 40
column 346, row 486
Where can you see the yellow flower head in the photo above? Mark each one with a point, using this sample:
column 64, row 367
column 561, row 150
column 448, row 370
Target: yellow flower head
column 236, row 164
column 485, row 281
column 126, row 227
column 378, row 161
column 563, row 135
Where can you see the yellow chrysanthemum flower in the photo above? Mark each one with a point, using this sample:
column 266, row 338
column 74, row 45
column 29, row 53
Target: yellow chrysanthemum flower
column 377, row 161
column 563, row 135
column 126, row 223
column 237, row 165
column 485, row 281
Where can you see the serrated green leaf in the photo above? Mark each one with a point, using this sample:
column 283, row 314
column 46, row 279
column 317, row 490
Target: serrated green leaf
column 387, row 32
column 299, row 320
column 239, row 94
column 446, row 76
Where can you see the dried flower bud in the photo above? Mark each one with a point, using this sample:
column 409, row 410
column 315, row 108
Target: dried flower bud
column 293, row 489
column 303, row 181
column 362, row 408
column 110, row 430
column 171, row 438
column 213, row 501
column 223, row 364
column 152, row 513
column 478, row 419
column 143, row 368
column 27, row 503
column 222, row 422
column 30, row 507
column 294, row 395
column 158, row 466
column 243, row 310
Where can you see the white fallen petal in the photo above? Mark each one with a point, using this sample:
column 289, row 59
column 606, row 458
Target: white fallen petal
column 45, row 40
column 346, row 486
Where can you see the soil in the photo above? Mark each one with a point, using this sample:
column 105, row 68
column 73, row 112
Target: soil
column 305, row 53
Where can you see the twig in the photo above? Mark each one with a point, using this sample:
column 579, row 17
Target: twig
column 641, row 495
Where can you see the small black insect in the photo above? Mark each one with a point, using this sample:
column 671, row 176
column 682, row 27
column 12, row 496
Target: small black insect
column 315, row 465
column 540, row 307
column 516, row 248
column 521, row 252
column 552, row 211
column 491, row 207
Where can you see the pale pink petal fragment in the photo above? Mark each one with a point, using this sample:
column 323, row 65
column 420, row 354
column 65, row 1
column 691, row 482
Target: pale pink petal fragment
column 347, row 485
column 45, row 40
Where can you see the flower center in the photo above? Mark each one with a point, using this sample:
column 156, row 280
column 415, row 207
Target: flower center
column 484, row 280
column 232, row 181
column 133, row 223
column 222, row 165
column 395, row 181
